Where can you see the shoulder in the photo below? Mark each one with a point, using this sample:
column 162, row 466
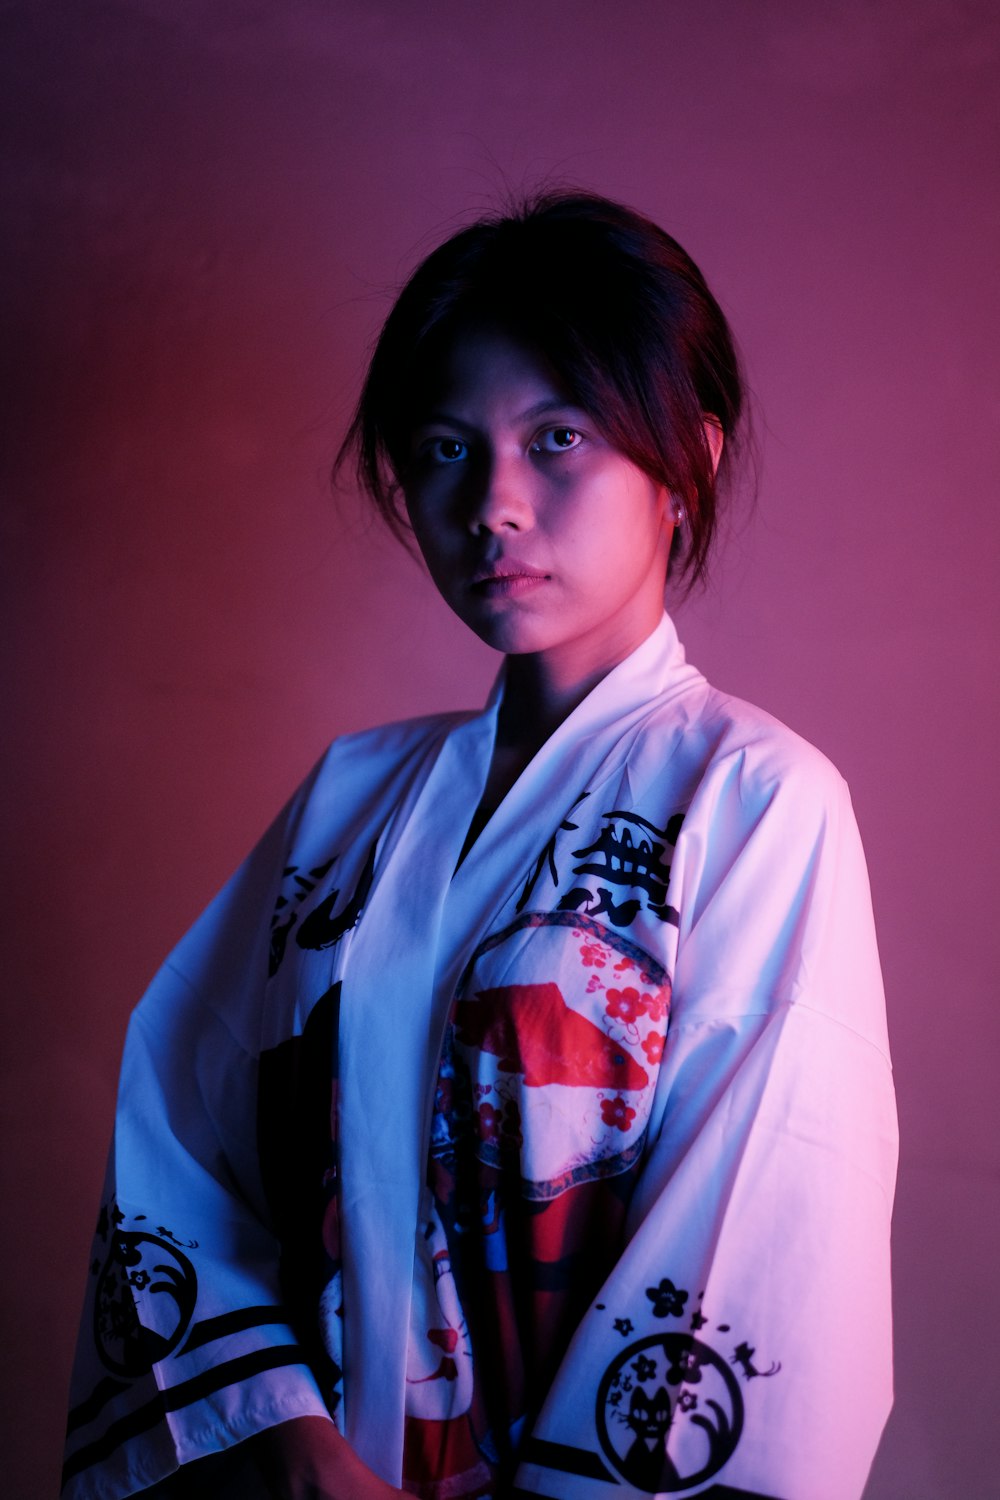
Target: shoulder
column 394, row 741
column 769, row 810
column 769, row 878
column 717, row 750
column 402, row 734
column 334, row 814
column 763, row 757
column 361, row 765
column 766, row 818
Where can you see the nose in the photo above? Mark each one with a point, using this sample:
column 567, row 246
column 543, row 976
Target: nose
column 502, row 499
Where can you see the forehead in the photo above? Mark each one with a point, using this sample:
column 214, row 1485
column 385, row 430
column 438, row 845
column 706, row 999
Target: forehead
column 485, row 370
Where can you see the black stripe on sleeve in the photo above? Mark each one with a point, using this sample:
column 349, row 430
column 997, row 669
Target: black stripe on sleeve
column 176, row 1397
column 104, row 1391
column 565, row 1459
column 205, row 1332
column 558, row 1453
column 210, row 1329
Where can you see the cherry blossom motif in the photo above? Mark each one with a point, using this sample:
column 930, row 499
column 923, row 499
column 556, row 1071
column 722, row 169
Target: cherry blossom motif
column 489, row 1122
column 685, row 1368
column 652, row 1045
column 687, row 1401
column 617, row 1113
column 629, row 1003
column 624, row 964
column 625, row 1005
column 623, row 1326
column 657, row 1004
column 593, row 983
column 593, row 955
column 667, row 1299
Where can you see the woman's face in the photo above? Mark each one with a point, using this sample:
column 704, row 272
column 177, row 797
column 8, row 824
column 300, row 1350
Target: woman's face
column 538, row 533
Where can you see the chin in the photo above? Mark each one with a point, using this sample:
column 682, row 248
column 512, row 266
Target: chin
column 512, row 636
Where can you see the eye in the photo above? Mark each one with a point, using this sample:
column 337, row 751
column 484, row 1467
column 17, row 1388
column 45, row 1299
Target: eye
column 445, row 450
column 558, row 440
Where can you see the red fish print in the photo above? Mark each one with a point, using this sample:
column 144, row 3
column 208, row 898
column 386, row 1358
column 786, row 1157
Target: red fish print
column 530, row 1029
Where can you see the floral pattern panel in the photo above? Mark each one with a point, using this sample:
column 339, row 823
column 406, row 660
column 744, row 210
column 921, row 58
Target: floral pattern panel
column 543, row 1097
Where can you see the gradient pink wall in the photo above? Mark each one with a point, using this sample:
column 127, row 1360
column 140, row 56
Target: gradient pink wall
column 207, row 206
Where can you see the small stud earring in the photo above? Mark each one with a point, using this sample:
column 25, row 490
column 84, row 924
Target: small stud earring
column 678, row 515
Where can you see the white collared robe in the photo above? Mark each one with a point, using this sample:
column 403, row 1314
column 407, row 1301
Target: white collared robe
column 566, row 1173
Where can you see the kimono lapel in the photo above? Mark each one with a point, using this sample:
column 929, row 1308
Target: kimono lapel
column 591, row 746
column 424, row 919
column 388, row 1040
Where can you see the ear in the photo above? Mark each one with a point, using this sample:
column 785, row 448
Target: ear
column 715, row 438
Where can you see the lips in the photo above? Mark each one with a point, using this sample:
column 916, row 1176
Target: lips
column 504, row 569
column 506, row 579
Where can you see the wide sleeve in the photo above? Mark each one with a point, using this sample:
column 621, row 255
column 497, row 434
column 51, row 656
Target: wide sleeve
column 185, row 1348
column 742, row 1346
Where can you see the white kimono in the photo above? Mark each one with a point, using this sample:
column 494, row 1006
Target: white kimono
column 565, row 1173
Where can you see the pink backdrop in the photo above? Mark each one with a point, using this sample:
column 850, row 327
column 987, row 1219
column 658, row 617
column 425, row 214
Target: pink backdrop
column 208, row 205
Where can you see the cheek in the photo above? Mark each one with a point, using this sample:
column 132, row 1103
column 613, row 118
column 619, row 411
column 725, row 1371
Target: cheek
column 435, row 559
column 440, row 555
column 427, row 531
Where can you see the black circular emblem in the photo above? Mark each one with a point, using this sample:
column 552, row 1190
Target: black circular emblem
column 669, row 1412
column 145, row 1297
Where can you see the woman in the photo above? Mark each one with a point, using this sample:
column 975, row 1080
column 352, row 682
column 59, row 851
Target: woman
column 518, row 1120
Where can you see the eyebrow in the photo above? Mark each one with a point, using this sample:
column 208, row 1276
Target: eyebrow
column 530, row 413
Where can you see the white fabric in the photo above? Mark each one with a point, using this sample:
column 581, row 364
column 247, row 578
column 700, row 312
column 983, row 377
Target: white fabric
column 768, row 1134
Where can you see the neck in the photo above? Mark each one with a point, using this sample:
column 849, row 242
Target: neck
column 543, row 687
column 539, row 693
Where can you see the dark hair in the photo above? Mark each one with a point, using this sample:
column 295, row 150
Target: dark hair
column 619, row 310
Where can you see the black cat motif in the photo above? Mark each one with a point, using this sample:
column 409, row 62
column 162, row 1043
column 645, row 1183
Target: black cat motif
column 647, row 1463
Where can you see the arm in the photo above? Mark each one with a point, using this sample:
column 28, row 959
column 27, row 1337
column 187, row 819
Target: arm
column 186, row 1349
column 304, row 1459
column 745, row 1332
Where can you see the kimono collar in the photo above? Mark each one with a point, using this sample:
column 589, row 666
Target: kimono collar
column 406, row 955
column 646, row 673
